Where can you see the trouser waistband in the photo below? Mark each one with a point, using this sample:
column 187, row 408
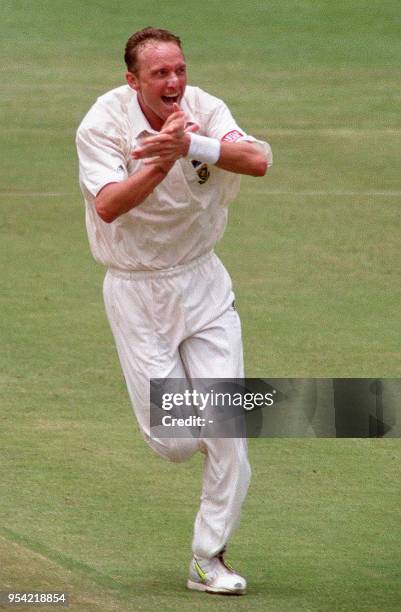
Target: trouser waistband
column 142, row 274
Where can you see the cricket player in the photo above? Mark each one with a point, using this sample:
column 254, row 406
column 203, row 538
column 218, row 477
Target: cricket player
column 160, row 162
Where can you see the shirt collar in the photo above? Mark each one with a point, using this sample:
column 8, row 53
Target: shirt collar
column 140, row 125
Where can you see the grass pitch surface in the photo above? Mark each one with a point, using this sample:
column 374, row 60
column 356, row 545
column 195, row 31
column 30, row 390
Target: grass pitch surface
column 314, row 252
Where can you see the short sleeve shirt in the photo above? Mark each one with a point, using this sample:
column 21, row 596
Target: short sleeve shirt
column 186, row 214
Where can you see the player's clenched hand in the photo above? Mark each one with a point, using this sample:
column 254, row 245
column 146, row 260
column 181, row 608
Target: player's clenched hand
column 171, row 143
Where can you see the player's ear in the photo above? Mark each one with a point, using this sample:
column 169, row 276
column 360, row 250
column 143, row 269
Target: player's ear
column 132, row 80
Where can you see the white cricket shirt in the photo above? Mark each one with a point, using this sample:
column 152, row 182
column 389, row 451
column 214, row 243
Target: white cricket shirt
column 186, row 214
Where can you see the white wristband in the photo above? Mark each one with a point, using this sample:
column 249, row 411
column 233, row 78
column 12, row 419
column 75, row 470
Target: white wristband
column 204, row 149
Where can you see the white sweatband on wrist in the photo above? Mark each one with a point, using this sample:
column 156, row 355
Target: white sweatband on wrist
column 204, row 149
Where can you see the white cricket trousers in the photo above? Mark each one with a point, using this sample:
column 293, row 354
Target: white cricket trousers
column 179, row 323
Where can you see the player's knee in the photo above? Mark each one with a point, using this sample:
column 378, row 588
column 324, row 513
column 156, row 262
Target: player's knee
column 182, row 450
column 175, row 450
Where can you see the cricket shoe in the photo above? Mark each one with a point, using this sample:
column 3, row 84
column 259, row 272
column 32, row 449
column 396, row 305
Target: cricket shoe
column 215, row 576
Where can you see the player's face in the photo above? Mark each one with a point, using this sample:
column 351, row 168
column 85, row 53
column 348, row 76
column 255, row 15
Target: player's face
column 160, row 80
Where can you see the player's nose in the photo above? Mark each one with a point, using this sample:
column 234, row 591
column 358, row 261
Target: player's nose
column 172, row 80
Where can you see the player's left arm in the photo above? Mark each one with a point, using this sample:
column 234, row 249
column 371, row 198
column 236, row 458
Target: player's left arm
column 243, row 158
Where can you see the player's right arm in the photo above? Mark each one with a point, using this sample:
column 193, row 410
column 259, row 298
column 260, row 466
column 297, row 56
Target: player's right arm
column 103, row 168
column 103, row 154
column 115, row 199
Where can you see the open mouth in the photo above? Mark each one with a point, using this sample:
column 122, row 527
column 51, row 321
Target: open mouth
column 170, row 100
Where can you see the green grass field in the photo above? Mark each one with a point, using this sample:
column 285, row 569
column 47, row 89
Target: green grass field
column 314, row 253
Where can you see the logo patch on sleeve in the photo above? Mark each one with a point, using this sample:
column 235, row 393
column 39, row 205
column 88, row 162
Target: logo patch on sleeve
column 232, row 136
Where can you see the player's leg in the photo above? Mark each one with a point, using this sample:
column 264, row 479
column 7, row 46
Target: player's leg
column 143, row 354
column 215, row 351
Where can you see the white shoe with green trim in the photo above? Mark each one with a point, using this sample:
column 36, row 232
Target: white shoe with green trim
column 215, row 576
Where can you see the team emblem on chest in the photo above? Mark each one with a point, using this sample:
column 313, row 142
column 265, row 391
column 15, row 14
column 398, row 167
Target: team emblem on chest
column 201, row 170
